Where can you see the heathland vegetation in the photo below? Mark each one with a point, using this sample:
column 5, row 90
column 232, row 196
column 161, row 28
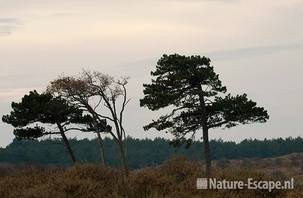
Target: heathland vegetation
column 175, row 178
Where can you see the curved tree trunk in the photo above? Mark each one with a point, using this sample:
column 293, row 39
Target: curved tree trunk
column 66, row 143
column 100, row 141
column 99, row 138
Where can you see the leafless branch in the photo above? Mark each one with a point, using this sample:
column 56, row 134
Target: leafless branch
column 98, row 104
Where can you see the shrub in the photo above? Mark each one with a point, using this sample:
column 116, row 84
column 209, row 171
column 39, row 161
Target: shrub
column 175, row 178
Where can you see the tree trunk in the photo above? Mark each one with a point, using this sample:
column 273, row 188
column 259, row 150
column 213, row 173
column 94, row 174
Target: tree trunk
column 205, row 133
column 123, row 157
column 121, row 147
column 102, row 155
column 206, row 152
column 66, row 143
column 126, row 187
column 101, row 147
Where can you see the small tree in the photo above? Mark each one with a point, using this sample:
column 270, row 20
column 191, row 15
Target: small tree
column 113, row 94
column 35, row 110
column 78, row 93
column 197, row 97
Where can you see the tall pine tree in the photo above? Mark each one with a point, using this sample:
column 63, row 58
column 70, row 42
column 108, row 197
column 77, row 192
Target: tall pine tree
column 190, row 88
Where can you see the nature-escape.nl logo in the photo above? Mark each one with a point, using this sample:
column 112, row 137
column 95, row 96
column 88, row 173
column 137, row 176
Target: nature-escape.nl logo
column 250, row 183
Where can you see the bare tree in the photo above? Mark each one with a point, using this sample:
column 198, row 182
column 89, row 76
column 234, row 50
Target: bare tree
column 113, row 93
column 110, row 94
column 76, row 92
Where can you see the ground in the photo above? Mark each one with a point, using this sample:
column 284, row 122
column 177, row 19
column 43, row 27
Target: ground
column 174, row 178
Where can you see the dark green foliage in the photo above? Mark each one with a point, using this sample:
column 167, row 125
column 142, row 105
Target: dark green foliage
column 196, row 96
column 38, row 109
column 177, row 79
column 230, row 111
column 29, row 133
column 42, row 108
column 141, row 153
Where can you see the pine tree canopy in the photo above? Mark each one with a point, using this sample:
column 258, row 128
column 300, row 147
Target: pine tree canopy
column 190, row 88
column 38, row 109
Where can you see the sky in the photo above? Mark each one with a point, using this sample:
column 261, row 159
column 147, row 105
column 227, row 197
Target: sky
column 255, row 46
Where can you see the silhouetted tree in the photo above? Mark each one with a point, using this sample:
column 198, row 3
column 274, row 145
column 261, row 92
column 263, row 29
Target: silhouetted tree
column 78, row 93
column 30, row 117
column 189, row 85
column 110, row 90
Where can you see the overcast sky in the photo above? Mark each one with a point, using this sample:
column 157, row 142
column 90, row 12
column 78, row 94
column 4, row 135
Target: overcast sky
column 255, row 46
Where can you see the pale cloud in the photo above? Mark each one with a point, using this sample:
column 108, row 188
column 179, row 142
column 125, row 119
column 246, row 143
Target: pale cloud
column 9, row 20
column 7, row 95
column 243, row 53
column 8, row 25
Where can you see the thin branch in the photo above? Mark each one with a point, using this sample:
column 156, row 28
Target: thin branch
column 93, row 112
column 105, row 117
column 218, row 124
column 208, row 100
column 66, row 123
column 125, row 101
column 75, row 129
column 98, row 104
column 52, row 133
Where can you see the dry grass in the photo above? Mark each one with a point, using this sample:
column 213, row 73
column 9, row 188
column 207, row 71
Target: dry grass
column 175, row 178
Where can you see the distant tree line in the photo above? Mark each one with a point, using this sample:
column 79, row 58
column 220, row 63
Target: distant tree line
column 141, row 153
